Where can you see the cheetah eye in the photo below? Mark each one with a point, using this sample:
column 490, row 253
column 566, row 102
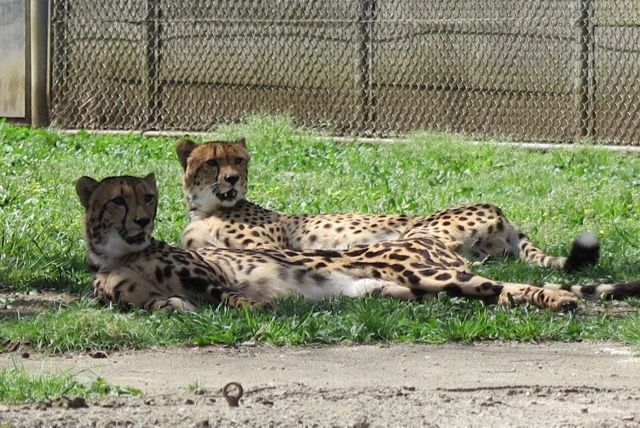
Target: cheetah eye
column 239, row 161
column 149, row 198
column 118, row 201
column 212, row 162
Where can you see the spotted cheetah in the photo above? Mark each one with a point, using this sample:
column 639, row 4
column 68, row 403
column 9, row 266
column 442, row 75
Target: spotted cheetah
column 215, row 184
column 132, row 269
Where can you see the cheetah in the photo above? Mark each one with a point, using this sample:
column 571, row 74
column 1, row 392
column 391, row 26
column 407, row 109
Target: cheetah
column 215, row 184
column 132, row 269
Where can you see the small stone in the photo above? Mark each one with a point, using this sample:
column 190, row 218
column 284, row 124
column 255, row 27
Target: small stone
column 25, row 354
column 584, row 410
column 98, row 354
column 203, row 424
column 149, row 401
column 189, row 401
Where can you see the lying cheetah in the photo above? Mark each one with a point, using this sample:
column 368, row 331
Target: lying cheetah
column 215, row 184
column 132, row 269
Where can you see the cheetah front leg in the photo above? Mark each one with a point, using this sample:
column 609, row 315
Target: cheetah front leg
column 127, row 290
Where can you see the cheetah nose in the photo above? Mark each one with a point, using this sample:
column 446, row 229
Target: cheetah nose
column 142, row 221
column 232, row 178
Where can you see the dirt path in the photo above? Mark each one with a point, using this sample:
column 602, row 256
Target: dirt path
column 557, row 384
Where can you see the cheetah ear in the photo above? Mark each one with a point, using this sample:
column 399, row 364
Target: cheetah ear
column 184, row 149
column 85, row 186
column 242, row 142
column 150, row 179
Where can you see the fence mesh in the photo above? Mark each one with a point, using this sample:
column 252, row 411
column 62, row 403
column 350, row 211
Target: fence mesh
column 542, row 70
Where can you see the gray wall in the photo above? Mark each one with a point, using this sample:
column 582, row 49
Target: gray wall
column 12, row 58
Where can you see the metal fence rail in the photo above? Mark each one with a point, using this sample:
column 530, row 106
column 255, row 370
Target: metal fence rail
column 541, row 70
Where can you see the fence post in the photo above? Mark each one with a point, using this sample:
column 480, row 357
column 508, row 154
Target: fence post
column 153, row 29
column 586, row 125
column 39, row 31
column 365, row 21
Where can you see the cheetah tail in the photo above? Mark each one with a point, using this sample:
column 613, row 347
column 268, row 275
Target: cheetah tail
column 618, row 291
column 585, row 251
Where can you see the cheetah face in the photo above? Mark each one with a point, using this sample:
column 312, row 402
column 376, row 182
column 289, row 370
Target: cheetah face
column 215, row 173
column 119, row 213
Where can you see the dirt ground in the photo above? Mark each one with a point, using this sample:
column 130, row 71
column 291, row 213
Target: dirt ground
column 489, row 384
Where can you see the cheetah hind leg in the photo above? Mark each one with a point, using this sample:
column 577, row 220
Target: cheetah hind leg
column 557, row 300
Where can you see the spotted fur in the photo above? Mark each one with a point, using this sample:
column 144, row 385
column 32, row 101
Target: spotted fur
column 220, row 215
column 131, row 269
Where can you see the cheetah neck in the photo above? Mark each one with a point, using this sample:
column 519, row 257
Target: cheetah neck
column 101, row 261
column 196, row 213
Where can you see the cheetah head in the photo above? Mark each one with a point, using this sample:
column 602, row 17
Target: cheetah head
column 215, row 174
column 119, row 214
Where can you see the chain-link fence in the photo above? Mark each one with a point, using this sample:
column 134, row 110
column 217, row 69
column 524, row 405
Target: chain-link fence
column 543, row 70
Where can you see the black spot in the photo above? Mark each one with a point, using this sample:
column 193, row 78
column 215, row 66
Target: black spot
column 167, row 270
column 443, row 277
column 463, row 276
column 372, row 254
column 397, row 267
column 199, row 271
column 413, row 279
column 194, row 283
column 159, row 274
column 588, row 289
column 428, row 272
column 358, row 252
column 399, row 257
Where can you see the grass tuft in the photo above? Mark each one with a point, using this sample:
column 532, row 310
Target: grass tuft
column 19, row 386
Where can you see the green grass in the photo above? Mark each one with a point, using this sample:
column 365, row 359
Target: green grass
column 552, row 196
column 19, row 386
